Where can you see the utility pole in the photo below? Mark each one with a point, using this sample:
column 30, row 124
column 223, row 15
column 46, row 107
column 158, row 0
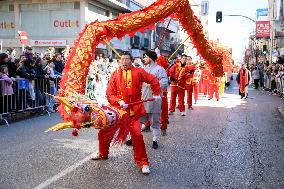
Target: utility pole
column 271, row 34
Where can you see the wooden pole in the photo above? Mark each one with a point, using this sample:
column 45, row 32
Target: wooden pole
column 113, row 49
column 178, row 48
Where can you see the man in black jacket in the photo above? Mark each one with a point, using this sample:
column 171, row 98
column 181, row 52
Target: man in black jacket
column 59, row 65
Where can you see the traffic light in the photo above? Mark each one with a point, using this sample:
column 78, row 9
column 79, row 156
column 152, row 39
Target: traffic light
column 219, row 16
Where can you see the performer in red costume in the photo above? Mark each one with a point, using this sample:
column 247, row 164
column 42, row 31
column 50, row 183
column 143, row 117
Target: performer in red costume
column 196, row 79
column 214, row 87
column 243, row 79
column 125, row 86
column 178, row 75
column 162, row 61
column 205, row 76
column 189, row 81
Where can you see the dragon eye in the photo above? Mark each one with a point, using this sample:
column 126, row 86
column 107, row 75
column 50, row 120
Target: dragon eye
column 87, row 108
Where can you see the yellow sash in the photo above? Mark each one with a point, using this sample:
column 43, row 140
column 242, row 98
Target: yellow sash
column 128, row 82
column 127, row 78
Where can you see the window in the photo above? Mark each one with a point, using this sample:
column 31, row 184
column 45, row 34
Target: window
column 146, row 42
column 4, row 8
column 114, row 15
column 11, row 8
column 77, row 5
column 29, row 7
column 47, row 6
column 126, row 2
column 98, row 9
column 135, row 41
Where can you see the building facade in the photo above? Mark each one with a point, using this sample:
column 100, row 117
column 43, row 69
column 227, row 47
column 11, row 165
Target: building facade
column 276, row 17
column 56, row 23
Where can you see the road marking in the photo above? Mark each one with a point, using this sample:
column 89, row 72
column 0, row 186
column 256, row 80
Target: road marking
column 63, row 173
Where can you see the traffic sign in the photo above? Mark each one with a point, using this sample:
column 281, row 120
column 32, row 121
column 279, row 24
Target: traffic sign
column 23, row 37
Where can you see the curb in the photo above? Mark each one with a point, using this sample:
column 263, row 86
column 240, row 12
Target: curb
column 281, row 110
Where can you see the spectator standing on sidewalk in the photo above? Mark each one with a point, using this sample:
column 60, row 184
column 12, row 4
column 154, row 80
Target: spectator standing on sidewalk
column 6, row 90
column 58, row 63
column 256, row 77
column 3, row 59
column 51, row 74
column 243, row 80
column 8, row 82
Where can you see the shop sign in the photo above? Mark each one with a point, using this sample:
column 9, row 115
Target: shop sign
column 262, row 29
column 49, row 43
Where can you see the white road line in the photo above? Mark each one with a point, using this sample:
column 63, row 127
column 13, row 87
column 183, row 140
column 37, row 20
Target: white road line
column 63, row 173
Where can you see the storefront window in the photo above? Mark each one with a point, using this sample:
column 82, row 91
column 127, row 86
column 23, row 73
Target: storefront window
column 47, row 6
column 50, row 20
column 4, row 8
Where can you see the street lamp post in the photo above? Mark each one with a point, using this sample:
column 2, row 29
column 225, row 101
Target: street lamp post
column 241, row 16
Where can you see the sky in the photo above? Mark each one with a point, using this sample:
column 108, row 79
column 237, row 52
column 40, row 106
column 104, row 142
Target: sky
column 234, row 31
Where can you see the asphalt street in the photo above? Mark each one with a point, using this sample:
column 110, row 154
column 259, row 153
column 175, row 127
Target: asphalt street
column 231, row 143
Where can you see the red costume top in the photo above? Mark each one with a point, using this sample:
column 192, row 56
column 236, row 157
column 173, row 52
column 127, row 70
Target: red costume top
column 127, row 86
column 190, row 78
column 213, row 80
column 197, row 75
column 179, row 75
column 162, row 61
column 243, row 79
column 205, row 75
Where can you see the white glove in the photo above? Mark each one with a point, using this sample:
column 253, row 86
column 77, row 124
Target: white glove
column 123, row 105
column 157, row 98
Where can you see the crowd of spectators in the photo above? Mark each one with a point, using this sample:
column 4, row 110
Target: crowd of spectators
column 40, row 72
column 97, row 80
column 43, row 72
column 269, row 77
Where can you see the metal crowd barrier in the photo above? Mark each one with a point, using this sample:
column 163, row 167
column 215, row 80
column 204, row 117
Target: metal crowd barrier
column 28, row 95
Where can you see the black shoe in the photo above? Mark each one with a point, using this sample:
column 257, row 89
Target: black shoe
column 155, row 145
column 163, row 132
column 129, row 142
